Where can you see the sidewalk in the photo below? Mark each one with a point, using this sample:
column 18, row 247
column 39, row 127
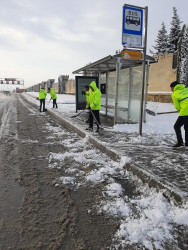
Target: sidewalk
column 154, row 161
column 160, row 166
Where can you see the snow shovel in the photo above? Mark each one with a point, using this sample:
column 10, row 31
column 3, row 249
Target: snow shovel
column 100, row 128
column 73, row 116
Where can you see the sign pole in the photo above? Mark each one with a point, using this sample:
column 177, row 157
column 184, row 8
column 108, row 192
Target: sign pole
column 144, row 68
column 134, row 40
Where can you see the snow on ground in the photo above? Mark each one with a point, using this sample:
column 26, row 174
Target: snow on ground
column 152, row 227
column 155, row 125
column 160, row 124
column 158, row 107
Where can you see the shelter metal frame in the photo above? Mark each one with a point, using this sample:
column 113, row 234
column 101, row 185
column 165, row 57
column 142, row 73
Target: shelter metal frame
column 109, row 64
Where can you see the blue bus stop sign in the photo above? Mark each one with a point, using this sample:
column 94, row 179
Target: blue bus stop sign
column 132, row 26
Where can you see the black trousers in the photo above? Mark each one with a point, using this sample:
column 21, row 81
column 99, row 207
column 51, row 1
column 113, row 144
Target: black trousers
column 96, row 114
column 181, row 121
column 42, row 103
column 54, row 103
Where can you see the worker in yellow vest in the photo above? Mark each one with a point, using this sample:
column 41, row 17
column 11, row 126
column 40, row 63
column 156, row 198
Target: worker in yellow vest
column 53, row 97
column 180, row 100
column 95, row 106
column 42, row 97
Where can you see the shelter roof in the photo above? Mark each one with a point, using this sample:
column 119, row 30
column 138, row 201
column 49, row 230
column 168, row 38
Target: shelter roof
column 108, row 63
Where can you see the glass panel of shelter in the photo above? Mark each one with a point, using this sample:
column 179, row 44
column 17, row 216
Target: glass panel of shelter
column 128, row 96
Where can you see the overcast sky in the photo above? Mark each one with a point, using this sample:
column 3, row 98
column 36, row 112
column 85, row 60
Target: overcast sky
column 42, row 39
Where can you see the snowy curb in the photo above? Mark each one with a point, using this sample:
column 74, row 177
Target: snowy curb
column 153, row 183
column 83, row 134
column 143, row 175
column 90, row 139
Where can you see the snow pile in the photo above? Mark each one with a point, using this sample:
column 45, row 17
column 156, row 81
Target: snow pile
column 152, row 226
column 181, row 214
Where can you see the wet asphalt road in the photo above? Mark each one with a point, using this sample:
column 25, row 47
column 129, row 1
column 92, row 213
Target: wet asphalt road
column 35, row 214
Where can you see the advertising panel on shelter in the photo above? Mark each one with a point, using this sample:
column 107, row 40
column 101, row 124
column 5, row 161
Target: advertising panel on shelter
column 81, row 82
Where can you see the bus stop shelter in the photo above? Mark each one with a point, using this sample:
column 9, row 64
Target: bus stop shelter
column 121, row 85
